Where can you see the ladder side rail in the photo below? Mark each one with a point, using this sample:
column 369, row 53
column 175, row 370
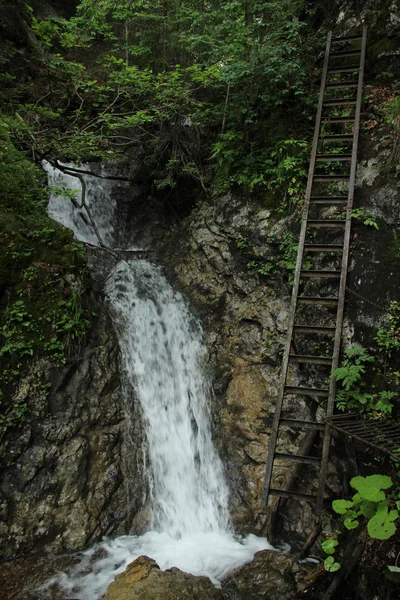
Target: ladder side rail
column 296, row 282
column 343, row 277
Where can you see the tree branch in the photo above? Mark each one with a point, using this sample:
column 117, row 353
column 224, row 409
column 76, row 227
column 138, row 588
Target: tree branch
column 64, row 169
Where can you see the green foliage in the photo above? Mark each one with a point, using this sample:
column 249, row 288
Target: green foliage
column 331, row 565
column 288, row 249
column 370, row 502
column 353, row 393
column 388, row 338
column 369, row 505
column 365, row 216
column 263, row 268
column 329, row 546
column 242, row 242
column 392, row 116
column 42, row 311
column 277, row 171
column 125, row 73
column 353, row 366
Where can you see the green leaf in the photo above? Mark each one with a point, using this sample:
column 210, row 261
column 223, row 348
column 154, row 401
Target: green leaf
column 370, row 487
column 330, row 565
column 381, row 528
column 342, row 506
column 349, row 523
column 329, row 546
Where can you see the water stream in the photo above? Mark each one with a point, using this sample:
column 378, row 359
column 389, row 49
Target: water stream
column 162, row 354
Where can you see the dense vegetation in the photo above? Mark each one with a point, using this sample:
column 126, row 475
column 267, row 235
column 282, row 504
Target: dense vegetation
column 215, row 94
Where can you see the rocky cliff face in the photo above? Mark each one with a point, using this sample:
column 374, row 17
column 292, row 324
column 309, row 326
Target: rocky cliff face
column 62, row 481
column 219, row 261
column 220, row 256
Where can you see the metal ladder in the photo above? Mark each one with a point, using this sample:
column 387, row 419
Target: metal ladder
column 324, row 154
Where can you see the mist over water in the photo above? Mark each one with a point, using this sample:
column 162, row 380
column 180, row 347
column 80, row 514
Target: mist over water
column 162, row 355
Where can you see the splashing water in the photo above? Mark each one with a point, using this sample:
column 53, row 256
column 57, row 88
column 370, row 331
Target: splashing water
column 162, row 353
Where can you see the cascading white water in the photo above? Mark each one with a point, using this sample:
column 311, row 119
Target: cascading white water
column 71, row 214
column 162, row 352
column 161, row 348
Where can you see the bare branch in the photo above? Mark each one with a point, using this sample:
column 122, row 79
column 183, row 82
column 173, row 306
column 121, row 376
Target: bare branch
column 64, row 169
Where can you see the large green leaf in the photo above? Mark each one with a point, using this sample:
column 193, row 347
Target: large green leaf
column 381, row 526
column 393, row 569
column 370, row 487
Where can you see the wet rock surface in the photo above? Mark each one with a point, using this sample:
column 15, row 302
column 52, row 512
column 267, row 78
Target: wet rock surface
column 219, row 263
column 62, row 470
column 144, row 579
column 271, row 576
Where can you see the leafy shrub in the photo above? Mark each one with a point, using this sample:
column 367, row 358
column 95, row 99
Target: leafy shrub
column 388, row 338
column 392, row 114
column 353, row 393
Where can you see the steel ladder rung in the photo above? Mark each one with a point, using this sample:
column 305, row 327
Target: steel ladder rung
column 343, row 69
column 328, row 199
column 333, row 178
column 300, row 423
column 328, row 274
column 316, row 300
column 323, row 247
column 310, row 360
column 341, row 84
column 333, row 157
column 328, row 120
column 345, row 53
column 340, row 102
column 306, row 391
column 310, row 460
column 293, row 495
column 348, row 137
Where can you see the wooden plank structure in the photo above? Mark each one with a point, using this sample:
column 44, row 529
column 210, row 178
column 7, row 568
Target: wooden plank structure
column 327, row 178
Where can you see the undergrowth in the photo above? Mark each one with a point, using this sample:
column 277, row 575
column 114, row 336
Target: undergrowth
column 44, row 310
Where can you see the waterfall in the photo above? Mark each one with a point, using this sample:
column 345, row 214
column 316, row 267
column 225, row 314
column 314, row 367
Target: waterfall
column 162, row 350
column 66, row 199
column 162, row 355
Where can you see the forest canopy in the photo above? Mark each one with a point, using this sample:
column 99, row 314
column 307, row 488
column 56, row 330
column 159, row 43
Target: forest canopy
column 216, row 94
